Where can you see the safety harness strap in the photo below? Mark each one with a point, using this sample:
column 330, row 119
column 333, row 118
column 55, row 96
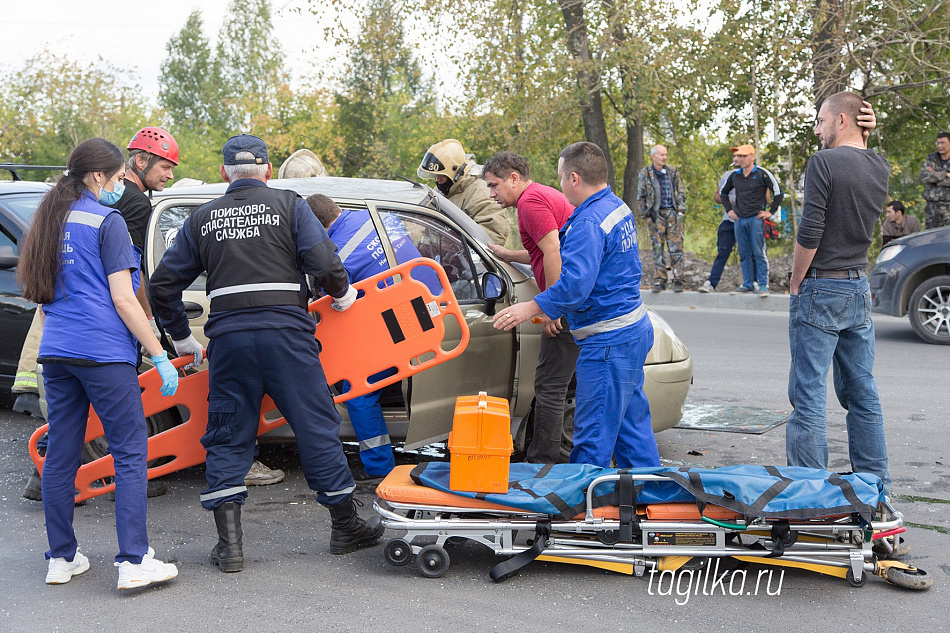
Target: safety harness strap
column 627, row 501
column 506, row 569
column 848, row 491
column 782, row 536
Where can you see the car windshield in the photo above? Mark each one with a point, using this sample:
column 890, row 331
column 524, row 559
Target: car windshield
column 22, row 205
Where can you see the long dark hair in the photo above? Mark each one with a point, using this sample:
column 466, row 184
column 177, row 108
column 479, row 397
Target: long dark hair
column 40, row 257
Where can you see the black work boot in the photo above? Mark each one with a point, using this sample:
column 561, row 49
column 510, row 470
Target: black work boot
column 34, row 487
column 350, row 532
column 228, row 554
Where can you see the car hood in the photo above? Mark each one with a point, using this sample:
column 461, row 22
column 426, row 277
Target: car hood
column 939, row 235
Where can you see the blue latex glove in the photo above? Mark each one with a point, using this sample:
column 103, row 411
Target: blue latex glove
column 168, row 373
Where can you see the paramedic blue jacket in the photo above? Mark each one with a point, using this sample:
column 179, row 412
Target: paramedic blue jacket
column 82, row 311
column 362, row 253
column 314, row 254
column 359, row 246
column 599, row 287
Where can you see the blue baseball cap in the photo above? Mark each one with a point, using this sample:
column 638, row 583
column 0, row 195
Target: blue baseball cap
column 245, row 143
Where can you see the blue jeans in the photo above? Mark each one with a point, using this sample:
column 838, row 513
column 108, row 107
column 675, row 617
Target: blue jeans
column 725, row 242
column 829, row 326
column 751, row 242
column 612, row 415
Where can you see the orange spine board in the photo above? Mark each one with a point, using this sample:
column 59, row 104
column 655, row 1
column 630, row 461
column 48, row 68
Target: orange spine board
column 357, row 344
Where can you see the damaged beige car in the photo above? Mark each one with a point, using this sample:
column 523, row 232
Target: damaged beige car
column 419, row 410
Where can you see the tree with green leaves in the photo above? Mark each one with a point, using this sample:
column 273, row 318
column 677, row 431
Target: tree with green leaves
column 54, row 102
column 191, row 89
column 249, row 61
column 239, row 86
column 386, row 104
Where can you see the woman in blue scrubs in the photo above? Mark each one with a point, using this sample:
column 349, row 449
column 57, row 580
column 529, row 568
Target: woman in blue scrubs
column 79, row 263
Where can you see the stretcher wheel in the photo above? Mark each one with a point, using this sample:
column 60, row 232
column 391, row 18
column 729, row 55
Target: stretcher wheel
column 397, row 552
column 913, row 578
column 900, row 549
column 433, row 561
column 856, row 583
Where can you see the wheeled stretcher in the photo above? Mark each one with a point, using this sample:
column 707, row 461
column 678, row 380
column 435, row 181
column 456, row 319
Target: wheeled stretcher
column 636, row 520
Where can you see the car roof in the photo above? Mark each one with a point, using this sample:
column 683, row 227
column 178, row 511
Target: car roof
column 366, row 189
column 23, row 186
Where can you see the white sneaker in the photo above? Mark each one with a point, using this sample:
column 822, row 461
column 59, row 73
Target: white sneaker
column 62, row 571
column 706, row 287
column 145, row 573
column 261, row 475
column 755, row 286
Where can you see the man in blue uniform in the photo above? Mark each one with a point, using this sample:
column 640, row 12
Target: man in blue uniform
column 257, row 245
column 599, row 293
column 360, row 249
column 362, row 253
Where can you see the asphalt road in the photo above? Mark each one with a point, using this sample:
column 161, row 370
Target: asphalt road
column 291, row 582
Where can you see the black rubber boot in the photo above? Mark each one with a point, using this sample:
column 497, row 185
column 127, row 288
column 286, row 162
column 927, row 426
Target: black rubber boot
column 350, row 532
column 228, row 554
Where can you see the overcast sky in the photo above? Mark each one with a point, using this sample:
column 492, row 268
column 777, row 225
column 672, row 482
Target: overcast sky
column 90, row 29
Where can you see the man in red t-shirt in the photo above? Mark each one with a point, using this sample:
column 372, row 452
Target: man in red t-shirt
column 542, row 211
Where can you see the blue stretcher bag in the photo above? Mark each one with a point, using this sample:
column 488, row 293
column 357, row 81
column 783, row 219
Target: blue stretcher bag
column 781, row 492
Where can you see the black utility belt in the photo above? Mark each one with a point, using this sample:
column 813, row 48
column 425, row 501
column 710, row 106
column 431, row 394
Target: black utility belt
column 850, row 273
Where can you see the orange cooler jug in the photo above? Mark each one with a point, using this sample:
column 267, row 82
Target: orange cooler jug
column 480, row 444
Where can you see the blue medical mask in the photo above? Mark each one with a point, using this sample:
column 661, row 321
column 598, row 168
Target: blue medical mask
column 109, row 198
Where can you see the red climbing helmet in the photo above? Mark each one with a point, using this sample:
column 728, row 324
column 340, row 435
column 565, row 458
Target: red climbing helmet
column 155, row 140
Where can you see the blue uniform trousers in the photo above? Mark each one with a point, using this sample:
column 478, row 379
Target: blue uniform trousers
column 113, row 390
column 366, row 416
column 612, row 416
column 283, row 363
column 376, row 451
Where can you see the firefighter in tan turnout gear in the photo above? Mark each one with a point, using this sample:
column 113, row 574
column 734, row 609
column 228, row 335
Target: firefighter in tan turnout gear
column 447, row 162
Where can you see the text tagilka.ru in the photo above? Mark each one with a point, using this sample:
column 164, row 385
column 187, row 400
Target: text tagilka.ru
column 708, row 581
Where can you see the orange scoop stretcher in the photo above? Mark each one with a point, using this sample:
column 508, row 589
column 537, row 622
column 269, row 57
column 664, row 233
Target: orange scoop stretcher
column 397, row 326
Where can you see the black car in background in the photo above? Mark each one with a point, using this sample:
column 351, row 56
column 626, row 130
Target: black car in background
column 912, row 277
column 18, row 202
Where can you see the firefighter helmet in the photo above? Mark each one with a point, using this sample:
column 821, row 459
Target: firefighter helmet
column 445, row 158
column 302, row 164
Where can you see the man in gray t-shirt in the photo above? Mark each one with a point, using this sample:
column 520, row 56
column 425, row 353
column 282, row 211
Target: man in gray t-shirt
column 829, row 319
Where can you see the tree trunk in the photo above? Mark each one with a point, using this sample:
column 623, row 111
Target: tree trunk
column 588, row 79
column 634, row 161
column 827, row 68
column 755, row 108
column 630, row 110
column 516, row 19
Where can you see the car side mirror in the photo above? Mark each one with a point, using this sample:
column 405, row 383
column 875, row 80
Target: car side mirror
column 493, row 289
column 8, row 261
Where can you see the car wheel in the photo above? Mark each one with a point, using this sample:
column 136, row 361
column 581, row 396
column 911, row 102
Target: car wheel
column 929, row 310
column 161, row 421
column 567, row 431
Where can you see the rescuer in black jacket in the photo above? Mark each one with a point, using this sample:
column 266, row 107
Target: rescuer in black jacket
column 257, row 244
